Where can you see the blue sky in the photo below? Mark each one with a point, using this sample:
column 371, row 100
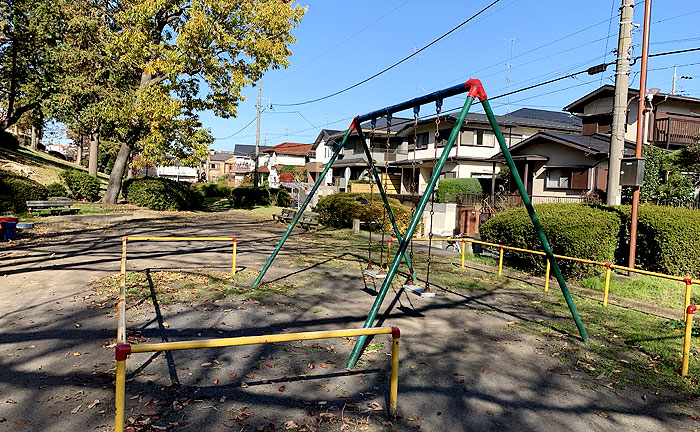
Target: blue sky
column 341, row 43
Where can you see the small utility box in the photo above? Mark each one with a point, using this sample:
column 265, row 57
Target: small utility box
column 632, row 171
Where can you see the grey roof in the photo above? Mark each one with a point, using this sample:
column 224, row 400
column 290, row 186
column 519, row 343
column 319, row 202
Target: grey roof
column 352, row 161
column 221, row 156
column 397, row 123
column 547, row 116
column 511, row 120
column 246, row 149
column 325, row 134
column 593, row 144
column 609, row 91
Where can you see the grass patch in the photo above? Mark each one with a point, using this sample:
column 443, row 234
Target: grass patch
column 626, row 348
column 662, row 292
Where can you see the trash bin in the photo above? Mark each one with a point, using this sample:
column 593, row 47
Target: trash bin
column 8, row 230
column 8, row 227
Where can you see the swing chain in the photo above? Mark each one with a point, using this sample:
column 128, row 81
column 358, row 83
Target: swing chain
column 414, row 178
column 438, row 106
column 385, row 183
column 371, row 193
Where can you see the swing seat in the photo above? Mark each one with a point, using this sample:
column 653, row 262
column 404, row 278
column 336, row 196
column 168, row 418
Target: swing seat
column 418, row 290
column 374, row 273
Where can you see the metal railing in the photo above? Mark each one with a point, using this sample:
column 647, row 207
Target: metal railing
column 688, row 309
column 123, row 350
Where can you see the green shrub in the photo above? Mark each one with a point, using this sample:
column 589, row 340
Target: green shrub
column 161, row 194
column 214, row 190
column 338, row 210
column 82, row 185
column 57, row 190
column 453, row 186
column 574, row 230
column 249, row 197
column 668, row 240
column 16, row 190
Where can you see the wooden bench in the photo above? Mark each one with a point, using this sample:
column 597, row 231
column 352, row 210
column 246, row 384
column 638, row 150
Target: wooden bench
column 54, row 205
column 309, row 220
column 286, row 216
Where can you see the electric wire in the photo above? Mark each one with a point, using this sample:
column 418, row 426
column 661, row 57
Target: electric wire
column 416, row 52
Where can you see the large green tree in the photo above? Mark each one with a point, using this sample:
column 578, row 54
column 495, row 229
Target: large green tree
column 30, row 31
column 189, row 56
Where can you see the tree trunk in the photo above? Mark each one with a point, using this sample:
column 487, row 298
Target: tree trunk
column 79, row 158
column 94, row 148
column 115, row 178
column 34, row 141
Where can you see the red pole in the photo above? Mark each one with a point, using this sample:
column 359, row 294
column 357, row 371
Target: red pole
column 640, row 130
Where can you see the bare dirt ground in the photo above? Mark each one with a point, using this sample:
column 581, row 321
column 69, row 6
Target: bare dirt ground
column 464, row 365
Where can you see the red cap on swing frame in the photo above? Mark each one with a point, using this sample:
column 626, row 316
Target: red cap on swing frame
column 476, row 90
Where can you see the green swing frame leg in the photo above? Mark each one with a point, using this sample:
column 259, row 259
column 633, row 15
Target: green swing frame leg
column 382, row 192
column 475, row 90
column 355, row 125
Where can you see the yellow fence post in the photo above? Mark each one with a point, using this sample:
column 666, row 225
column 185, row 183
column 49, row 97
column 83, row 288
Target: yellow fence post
column 233, row 260
column 546, row 275
column 121, row 353
column 464, row 243
column 388, row 252
column 500, row 260
column 688, row 287
column 606, row 290
column 690, row 310
column 394, row 381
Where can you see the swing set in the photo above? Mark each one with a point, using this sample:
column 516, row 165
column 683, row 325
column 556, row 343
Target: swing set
column 474, row 90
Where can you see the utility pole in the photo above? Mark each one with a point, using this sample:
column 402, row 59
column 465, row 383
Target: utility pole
column 257, row 137
column 619, row 121
column 673, row 87
column 641, row 125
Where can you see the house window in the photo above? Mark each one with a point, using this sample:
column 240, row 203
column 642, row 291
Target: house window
column 558, row 178
column 442, row 137
column 483, row 138
column 214, row 166
column 512, row 139
column 422, row 142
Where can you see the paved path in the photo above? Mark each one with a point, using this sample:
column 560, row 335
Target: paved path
column 463, row 366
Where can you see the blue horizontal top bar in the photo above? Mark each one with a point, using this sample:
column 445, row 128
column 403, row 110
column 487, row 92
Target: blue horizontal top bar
column 421, row 100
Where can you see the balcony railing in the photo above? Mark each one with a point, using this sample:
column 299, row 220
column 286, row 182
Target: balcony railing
column 675, row 132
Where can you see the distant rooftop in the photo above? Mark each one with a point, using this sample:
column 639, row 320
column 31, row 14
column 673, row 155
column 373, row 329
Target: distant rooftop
column 290, row 148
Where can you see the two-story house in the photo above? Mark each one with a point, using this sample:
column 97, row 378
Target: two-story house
column 322, row 150
column 215, row 164
column 674, row 120
column 287, row 153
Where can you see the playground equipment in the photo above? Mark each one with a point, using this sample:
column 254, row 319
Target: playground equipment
column 474, row 89
column 124, row 349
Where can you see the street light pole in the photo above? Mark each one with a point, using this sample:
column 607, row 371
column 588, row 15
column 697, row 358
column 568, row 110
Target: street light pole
column 640, row 129
column 257, row 137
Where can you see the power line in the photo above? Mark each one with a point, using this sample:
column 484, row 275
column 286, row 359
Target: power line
column 591, row 71
column 242, row 129
column 398, row 62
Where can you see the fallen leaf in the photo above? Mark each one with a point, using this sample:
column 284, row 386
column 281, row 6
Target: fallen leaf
column 602, row 414
column 22, row 421
column 10, row 401
column 76, row 353
column 250, row 376
column 216, row 382
column 150, row 413
column 486, row 371
column 205, row 364
column 165, row 324
column 56, row 412
column 268, row 364
column 76, row 409
column 323, row 365
column 232, row 376
column 216, row 362
column 92, row 405
column 281, row 389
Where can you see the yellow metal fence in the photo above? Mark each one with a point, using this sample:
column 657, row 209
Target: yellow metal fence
column 688, row 309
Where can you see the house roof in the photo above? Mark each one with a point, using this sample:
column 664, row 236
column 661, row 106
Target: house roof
column 247, row 149
column 220, row 156
column 290, row 148
column 325, row 134
column 598, row 144
column 535, row 118
column 609, row 91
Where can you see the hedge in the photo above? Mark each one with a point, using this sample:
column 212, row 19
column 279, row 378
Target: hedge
column 453, row 186
column 338, row 210
column 575, row 230
column 82, row 185
column 57, row 190
column 16, row 190
column 214, row 190
column 668, row 240
column 158, row 193
column 249, row 197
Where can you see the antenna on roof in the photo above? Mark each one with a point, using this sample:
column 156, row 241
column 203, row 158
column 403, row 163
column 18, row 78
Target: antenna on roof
column 510, row 70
